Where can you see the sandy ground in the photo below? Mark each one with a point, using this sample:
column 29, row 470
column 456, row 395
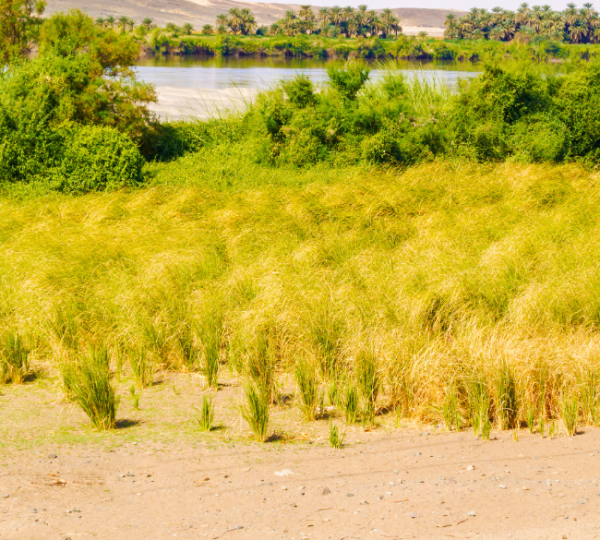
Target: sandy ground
column 403, row 485
column 415, row 30
column 177, row 103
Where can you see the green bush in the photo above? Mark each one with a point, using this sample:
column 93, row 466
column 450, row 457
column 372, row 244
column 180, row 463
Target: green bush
column 539, row 138
column 98, row 159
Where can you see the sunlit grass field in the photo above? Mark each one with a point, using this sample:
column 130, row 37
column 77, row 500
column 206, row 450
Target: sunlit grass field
column 448, row 292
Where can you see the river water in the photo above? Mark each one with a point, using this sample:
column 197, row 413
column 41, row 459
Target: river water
column 262, row 73
column 199, row 86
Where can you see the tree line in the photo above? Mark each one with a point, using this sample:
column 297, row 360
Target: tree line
column 330, row 22
column 571, row 25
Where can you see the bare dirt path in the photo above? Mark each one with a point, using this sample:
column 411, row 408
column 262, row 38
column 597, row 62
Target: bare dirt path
column 402, row 485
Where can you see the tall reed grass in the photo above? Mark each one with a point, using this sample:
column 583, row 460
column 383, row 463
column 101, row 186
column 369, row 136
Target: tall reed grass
column 458, row 276
column 87, row 383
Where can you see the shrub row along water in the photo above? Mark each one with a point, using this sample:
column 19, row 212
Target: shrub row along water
column 403, row 47
column 513, row 112
column 68, row 125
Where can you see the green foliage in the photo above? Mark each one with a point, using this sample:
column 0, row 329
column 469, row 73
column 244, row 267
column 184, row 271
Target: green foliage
column 349, row 80
column 451, row 409
column 261, row 362
column 66, row 34
column 300, row 91
column 43, row 104
column 88, row 384
column 97, row 159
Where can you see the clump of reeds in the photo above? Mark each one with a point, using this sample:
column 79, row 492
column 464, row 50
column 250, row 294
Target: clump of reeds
column 326, row 330
column 205, row 416
column 256, row 411
column 451, row 408
column 336, row 439
column 142, row 366
column 308, row 388
column 210, row 334
column 351, row 404
column 135, row 397
column 369, row 381
column 506, row 397
column 87, row 383
column 570, row 414
column 14, row 358
column 261, row 362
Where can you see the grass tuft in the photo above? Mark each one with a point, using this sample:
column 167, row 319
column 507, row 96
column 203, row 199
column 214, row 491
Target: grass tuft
column 570, row 414
column 336, row 440
column 368, row 380
column 308, row 389
column 88, row 384
column 205, row 416
column 256, row 411
column 14, row 359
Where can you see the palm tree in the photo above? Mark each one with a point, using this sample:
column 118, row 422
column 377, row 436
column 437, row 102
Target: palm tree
column 221, row 20
column 207, row 29
column 323, row 17
column 99, row 21
column 335, row 14
column 305, row 12
column 147, row 23
column 246, row 22
column 387, row 18
column 233, row 20
column 123, row 23
column 110, row 21
column 288, row 23
column 578, row 31
column 308, row 18
column 187, row 29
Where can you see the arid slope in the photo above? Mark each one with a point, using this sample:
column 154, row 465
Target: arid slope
column 200, row 12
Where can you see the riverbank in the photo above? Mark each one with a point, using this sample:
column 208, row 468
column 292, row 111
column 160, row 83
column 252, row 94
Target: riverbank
column 162, row 478
column 402, row 47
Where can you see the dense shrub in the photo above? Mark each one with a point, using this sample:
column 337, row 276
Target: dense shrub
column 72, row 117
column 520, row 111
column 97, row 158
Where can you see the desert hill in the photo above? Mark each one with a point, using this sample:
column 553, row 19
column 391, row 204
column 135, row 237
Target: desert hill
column 200, row 12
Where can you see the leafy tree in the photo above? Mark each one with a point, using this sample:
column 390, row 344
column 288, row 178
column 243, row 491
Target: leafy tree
column 19, row 22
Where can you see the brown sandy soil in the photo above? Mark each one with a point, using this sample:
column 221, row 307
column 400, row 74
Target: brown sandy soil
column 156, row 477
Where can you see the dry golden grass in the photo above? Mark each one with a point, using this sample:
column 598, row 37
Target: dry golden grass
column 447, row 273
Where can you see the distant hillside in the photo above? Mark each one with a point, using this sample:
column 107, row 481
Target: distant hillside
column 200, row 12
